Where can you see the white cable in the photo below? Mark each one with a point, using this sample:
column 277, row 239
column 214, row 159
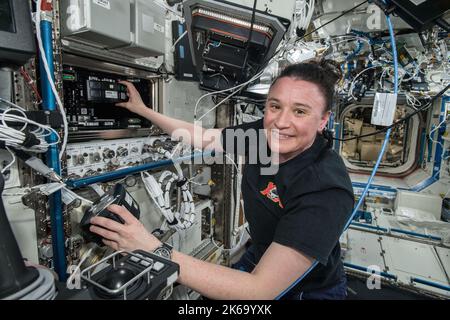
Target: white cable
column 233, row 248
column 225, row 90
column 234, row 163
column 178, row 40
column 15, row 138
column 50, row 78
column 77, row 268
column 18, row 110
column 217, row 105
column 159, row 191
column 311, row 5
column 154, row 190
column 352, row 84
column 28, row 121
column 11, row 104
column 436, row 141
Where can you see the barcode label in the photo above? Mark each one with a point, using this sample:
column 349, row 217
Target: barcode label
column 129, row 200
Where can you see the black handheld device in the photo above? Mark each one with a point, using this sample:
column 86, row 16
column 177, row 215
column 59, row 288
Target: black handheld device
column 117, row 195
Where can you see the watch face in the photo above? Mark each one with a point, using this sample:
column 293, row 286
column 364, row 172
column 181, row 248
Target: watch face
column 163, row 252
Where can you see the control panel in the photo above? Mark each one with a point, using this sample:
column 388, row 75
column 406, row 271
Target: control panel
column 140, row 275
column 90, row 98
column 97, row 157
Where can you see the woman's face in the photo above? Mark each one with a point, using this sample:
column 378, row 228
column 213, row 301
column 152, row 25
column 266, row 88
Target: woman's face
column 293, row 116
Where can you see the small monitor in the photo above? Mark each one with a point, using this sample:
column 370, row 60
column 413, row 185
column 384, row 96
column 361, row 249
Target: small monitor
column 16, row 35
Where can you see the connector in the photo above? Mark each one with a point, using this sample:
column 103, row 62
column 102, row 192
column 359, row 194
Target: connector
column 39, row 166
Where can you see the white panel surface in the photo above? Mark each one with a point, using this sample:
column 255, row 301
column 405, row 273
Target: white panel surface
column 364, row 249
column 412, row 259
column 23, row 225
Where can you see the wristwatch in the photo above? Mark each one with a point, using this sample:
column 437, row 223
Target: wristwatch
column 164, row 250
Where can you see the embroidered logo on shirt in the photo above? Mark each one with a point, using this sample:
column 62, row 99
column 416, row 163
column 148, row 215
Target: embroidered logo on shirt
column 271, row 193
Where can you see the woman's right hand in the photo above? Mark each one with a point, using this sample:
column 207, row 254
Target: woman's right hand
column 134, row 103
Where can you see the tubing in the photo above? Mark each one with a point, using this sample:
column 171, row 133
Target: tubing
column 380, row 156
column 431, row 284
column 365, row 269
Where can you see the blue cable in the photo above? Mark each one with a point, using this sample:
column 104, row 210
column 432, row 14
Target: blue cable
column 380, row 156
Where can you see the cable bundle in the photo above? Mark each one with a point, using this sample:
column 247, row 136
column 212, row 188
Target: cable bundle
column 304, row 10
column 30, row 137
column 159, row 191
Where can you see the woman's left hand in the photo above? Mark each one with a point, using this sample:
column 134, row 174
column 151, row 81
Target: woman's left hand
column 129, row 236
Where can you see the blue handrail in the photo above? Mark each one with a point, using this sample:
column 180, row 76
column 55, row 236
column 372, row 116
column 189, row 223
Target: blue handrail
column 431, row 284
column 366, row 269
column 52, row 156
column 82, row 182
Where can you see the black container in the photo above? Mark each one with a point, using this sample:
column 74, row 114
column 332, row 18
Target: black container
column 14, row 275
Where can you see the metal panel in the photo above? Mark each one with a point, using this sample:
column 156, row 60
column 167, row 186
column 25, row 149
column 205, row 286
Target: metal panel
column 105, row 23
column 412, row 259
column 23, row 224
column 188, row 240
column 148, row 30
column 444, row 257
column 364, row 249
column 180, row 98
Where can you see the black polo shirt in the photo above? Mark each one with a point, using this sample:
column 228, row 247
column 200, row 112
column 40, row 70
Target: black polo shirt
column 304, row 205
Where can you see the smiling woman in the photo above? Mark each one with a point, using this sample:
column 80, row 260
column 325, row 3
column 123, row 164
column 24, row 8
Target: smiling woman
column 298, row 106
column 295, row 214
column 305, row 204
column 295, row 113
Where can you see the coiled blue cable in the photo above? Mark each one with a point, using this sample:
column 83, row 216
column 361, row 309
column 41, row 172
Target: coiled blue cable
column 375, row 168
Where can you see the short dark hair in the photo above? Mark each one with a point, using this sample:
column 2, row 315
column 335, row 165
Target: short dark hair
column 324, row 74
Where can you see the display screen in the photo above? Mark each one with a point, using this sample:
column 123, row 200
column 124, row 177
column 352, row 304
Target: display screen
column 6, row 17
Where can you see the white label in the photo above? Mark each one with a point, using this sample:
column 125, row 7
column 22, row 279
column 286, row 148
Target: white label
column 50, row 188
column 67, row 196
column 159, row 28
column 128, row 200
column 97, row 189
column 111, row 94
column 103, row 3
column 383, row 111
column 148, row 23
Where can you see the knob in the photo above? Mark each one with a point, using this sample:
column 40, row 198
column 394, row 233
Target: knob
column 146, row 148
column 134, row 150
column 95, row 157
column 122, row 152
column 78, row 160
column 81, row 160
column 157, row 143
column 108, row 154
